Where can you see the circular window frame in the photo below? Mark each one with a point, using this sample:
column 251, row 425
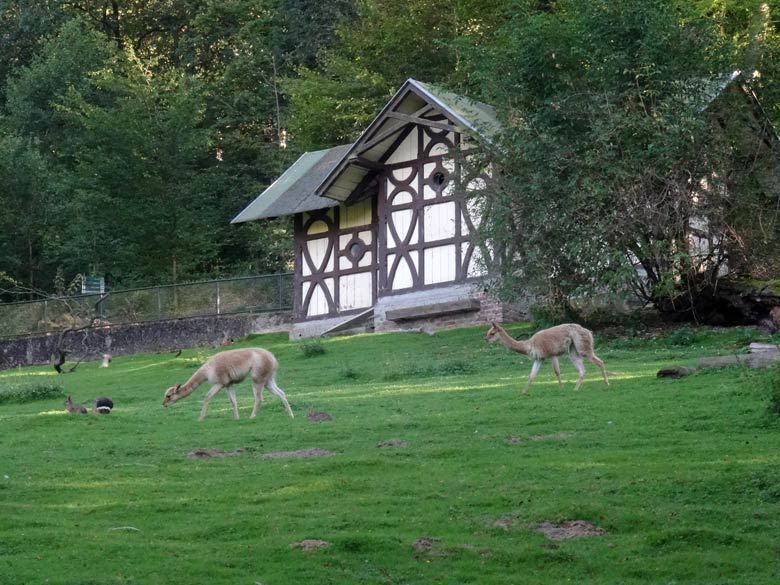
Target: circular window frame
column 355, row 250
column 439, row 179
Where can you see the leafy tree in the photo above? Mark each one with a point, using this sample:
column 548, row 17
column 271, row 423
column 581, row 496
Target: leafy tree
column 26, row 207
column 66, row 61
column 389, row 42
column 607, row 142
column 144, row 153
column 24, row 25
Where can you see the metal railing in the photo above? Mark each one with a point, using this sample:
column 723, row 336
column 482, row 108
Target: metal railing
column 251, row 294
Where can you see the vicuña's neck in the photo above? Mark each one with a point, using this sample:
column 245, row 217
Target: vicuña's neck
column 512, row 343
column 195, row 380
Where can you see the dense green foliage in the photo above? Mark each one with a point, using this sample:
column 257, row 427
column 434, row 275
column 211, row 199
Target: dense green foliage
column 432, row 444
column 625, row 145
column 139, row 129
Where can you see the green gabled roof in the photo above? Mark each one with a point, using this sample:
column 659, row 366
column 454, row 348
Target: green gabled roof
column 479, row 118
column 295, row 190
column 325, row 178
column 413, row 103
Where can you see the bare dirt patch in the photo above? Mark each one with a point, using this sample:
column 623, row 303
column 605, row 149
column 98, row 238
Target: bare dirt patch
column 310, row 545
column 505, row 522
column 425, row 544
column 559, row 436
column 392, row 444
column 481, row 551
column 568, row 529
column 213, row 453
column 311, row 453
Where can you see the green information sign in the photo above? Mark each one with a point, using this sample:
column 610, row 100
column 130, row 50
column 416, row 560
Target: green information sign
column 93, row 285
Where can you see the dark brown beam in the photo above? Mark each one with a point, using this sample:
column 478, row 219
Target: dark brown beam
column 366, row 163
column 422, row 121
column 379, row 138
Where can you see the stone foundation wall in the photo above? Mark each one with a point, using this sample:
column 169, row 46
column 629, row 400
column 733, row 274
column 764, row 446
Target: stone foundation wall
column 462, row 305
column 118, row 340
column 488, row 309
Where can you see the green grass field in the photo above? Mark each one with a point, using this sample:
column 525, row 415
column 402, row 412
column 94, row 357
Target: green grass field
column 683, row 476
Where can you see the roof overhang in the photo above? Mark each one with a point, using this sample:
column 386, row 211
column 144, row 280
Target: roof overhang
column 347, row 173
column 415, row 103
column 295, row 190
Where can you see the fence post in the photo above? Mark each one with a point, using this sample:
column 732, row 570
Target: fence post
column 281, row 292
column 218, row 299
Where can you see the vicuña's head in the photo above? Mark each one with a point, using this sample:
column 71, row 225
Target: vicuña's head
column 492, row 333
column 172, row 395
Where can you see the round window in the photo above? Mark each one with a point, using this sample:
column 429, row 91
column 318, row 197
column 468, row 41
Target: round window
column 356, row 250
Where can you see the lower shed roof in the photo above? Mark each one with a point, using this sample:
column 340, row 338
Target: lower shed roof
column 295, row 190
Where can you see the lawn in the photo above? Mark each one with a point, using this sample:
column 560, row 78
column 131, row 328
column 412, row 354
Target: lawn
column 439, row 469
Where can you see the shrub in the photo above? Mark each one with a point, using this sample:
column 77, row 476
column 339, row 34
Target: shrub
column 682, row 337
column 549, row 313
column 30, row 392
column 426, row 370
column 456, row 367
column 348, row 372
column 312, row 347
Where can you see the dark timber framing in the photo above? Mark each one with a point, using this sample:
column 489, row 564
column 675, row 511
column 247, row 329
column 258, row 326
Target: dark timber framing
column 319, row 274
column 393, row 243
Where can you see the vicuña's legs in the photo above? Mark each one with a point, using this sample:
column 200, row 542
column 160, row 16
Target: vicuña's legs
column 209, row 395
column 257, row 388
column 592, row 357
column 577, row 361
column 557, row 369
column 534, row 371
column 271, row 385
column 232, row 395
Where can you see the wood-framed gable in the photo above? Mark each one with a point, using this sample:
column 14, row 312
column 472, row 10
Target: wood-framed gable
column 414, row 104
column 336, row 261
column 426, row 221
column 385, row 217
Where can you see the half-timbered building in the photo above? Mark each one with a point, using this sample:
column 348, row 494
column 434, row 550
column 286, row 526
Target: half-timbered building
column 384, row 226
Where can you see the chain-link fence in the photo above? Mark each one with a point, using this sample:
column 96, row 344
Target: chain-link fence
column 252, row 294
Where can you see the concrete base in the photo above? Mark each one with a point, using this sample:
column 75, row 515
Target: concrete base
column 460, row 305
column 316, row 328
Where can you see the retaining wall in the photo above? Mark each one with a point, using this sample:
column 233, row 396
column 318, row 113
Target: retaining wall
column 118, row 340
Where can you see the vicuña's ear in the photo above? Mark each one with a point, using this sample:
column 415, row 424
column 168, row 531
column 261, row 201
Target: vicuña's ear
column 493, row 323
column 176, row 389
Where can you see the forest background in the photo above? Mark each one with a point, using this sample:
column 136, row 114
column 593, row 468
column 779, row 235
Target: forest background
column 132, row 132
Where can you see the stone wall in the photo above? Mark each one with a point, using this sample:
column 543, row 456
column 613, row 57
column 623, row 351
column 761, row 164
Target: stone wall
column 461, row 305
column 118, row 340
column 443, row 308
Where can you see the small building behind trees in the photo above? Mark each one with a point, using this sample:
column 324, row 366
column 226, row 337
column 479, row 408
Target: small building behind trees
column 387, row 229
column 385, row 226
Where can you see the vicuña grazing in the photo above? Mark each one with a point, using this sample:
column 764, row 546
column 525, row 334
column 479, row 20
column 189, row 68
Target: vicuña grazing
column 231, row 367
column 550, row 343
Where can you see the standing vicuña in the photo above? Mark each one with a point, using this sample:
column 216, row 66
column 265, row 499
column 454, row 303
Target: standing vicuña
column 228, row 368
column 550, row 343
